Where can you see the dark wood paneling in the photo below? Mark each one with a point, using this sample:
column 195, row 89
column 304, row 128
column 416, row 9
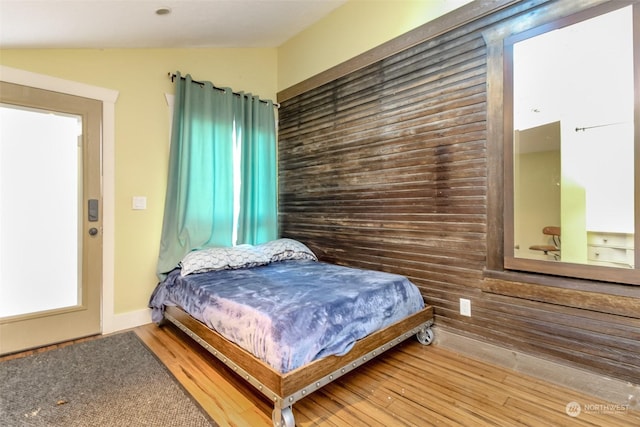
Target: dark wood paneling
column 386, row 167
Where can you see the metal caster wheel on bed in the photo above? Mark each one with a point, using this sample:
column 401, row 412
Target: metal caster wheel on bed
column 425, row 336
column 283, row 417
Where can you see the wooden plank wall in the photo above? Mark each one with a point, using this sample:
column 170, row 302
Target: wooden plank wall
column 386, row 168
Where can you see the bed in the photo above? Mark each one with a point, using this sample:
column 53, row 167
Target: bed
column 286, row 322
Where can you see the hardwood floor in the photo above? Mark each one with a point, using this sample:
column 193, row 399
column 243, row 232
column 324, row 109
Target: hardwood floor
column 412, row 385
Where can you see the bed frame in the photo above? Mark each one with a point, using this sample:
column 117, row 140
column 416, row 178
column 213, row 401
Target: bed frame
column 286, row 389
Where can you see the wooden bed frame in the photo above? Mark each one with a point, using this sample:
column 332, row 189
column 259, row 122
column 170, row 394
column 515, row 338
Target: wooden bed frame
column 286, row 389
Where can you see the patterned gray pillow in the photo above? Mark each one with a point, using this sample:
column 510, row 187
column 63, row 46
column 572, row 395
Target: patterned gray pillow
column 209, row 259
column 246, row 256
column 285, row 249
column 213, row 259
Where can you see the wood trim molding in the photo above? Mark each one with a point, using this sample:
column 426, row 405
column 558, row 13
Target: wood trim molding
column 606, row 303
column 603, row 387
column 452, row 20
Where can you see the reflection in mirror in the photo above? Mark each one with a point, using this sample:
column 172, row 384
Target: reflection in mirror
column 573, row 112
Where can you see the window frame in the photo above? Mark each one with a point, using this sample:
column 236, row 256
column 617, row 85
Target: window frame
column 501, row 262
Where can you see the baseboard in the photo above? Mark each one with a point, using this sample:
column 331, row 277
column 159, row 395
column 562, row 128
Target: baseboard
column 132, row 319
column 608, row 389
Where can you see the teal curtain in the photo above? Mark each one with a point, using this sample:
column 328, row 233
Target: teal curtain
column 256, row 133
column 221, row 187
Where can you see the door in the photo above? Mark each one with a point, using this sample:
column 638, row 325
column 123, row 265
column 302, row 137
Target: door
column 50, row 217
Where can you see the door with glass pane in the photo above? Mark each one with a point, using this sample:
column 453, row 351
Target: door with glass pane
column 50, row 217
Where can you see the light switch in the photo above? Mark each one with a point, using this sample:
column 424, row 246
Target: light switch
column 139, row 203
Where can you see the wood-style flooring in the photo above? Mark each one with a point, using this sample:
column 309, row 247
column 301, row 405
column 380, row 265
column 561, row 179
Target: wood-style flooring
column 411, row 385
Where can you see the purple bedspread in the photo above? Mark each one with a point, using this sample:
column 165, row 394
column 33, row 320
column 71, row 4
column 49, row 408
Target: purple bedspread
column 291, row 312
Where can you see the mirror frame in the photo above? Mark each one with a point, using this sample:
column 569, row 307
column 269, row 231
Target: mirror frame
column 500, row 256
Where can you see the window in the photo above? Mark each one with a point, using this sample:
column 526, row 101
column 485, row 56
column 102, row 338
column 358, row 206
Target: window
column 221, row 185
column 571, row 144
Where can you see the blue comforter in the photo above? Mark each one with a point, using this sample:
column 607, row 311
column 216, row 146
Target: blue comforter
column 291, row 312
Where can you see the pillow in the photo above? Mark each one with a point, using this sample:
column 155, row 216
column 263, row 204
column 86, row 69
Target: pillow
column 285, row 249
column 202, row 260
column 213, row 259
column 246, row 256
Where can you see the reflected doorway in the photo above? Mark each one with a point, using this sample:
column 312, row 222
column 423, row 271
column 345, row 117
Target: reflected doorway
column 537, row 190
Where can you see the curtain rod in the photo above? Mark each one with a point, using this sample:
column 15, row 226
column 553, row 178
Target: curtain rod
column 600, row 126
column 172, row 76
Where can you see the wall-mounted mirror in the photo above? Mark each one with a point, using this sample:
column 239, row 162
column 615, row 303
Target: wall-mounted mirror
column 574, row 146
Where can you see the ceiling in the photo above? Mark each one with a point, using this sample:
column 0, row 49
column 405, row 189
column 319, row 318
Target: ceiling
column 135, row 23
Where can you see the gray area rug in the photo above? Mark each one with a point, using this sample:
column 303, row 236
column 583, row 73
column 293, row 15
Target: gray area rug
column 112, row 381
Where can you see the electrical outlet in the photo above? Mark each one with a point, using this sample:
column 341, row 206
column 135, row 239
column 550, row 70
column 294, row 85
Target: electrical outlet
column 465, row 307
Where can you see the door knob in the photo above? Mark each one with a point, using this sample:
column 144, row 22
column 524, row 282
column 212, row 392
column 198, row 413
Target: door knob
column 93, row 231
